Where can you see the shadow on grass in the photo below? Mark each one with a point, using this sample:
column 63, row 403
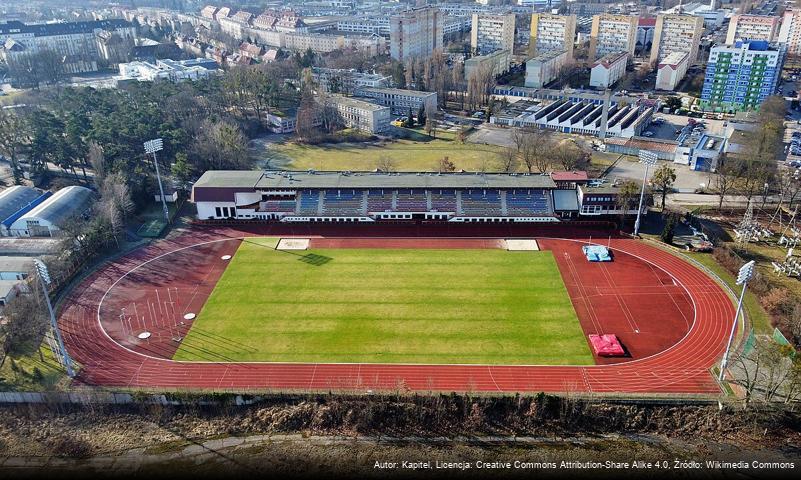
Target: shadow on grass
column 315, row 259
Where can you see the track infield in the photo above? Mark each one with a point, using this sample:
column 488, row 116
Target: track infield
column 406, row 306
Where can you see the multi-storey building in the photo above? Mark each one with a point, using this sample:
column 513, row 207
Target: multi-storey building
column 80, row 44
column 790, row 33
column 613, row 34
column 400, row 101
column 545, row 67
column 752, row 27
column 552, row 32
column 378, row 25
column 671, row 70
column 608, row 69
column 645, row 34
column 740, row 76
column 168, row 70
column 492, row 32
column 359, row 114
column 339, row 80
column 497, row 61
column 676, row 33
column 415, row 33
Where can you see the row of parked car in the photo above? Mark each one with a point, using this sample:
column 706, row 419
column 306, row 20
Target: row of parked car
column 795, row 144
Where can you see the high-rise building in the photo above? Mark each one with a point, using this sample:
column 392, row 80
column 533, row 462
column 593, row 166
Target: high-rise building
column 492, row 32
column 752, row 27
column 552, row 32
column 790, row 33
column 676, row 33
column 415, row 33
column 613, row 34
column 740, row 76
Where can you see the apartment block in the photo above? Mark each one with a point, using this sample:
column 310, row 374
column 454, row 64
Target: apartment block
column 676, row 33
column 671, row 70
column 492, row 32
column 613, row 34
column 415, row 33
column 790, row 32
column 497, row 61
column 552, row 32
column 544, row 68
column 608, row 69
column 359, row 114
column 740, row 76
column 752, row 27
column 399, row 100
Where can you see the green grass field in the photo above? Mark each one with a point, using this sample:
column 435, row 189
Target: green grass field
column 390, row 306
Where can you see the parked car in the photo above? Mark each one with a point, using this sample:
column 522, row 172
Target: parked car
column 648, row 134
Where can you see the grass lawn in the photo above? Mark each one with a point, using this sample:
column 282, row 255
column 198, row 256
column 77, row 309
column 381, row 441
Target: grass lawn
column 24, row 376
column 757, row 315
column 421, row 154
column 389, row 306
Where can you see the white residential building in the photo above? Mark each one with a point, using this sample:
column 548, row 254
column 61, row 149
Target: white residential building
column 671, row 70
column 790, row 32
column 608, row 69
column 359, row 114
column 676, row 33
column 338, row 80
column 613, row 34
column 415, row 33
column 752, row 27
column 552, row 32
column 492, row 32
column 399, row 100
column 544, row 68
column 378, row 25
column 498, row 61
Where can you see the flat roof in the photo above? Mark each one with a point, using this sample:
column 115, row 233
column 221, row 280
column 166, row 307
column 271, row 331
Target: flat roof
column 319, row 180
column 397, row 91
column 356, row 103
column 16, row 264
column 575, row 176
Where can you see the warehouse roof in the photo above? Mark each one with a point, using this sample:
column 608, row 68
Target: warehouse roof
column 63, row 204
column 16, row 264
column 305, row 179
column 14, row 198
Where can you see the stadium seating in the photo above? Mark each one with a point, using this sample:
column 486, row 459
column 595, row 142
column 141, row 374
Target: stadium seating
column 443, row 200
column 524, row 203
column 343, row 203
column 481, row 203
column 411, row 201
column 309, row 200
column 277, row 206
column 379, row 200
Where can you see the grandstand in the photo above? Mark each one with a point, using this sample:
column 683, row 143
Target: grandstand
column 367, row 197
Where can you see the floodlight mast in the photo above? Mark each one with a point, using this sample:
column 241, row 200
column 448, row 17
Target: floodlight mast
column 648, row 158
column 151, row 147
column 44, row 279
column 745, row 274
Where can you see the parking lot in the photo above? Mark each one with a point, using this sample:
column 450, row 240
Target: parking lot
column 671, row 127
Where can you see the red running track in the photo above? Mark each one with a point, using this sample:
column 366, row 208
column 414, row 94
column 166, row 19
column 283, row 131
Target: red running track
column 682, row 367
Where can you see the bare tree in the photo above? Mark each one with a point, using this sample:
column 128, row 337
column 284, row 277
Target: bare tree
column 98, row 162
column 507, row 160
column 445, row 165
column 385, row 164
column 536, row 150
column 724, row 179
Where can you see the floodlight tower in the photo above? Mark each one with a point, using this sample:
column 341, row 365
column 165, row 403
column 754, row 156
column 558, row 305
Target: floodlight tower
column 649, row 159
column 151, row 147
column 44, row 278
column 745, row 274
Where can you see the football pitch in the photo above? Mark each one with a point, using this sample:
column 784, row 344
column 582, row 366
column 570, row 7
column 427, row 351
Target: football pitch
column 388, row 306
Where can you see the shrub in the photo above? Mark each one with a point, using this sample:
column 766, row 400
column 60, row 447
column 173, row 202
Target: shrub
column 72, row 447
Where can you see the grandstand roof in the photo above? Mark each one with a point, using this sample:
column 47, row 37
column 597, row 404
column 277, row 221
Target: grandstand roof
column 574, row 176
column 296, row 180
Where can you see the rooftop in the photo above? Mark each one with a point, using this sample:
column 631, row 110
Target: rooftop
column 16, row 264
column 397, row 91
column 62, row 205
column 355, row 103
column 549, row 55
column 12, row 199
column 315, row 180
column 575, row 176
column 608, row 60
column 61, row 28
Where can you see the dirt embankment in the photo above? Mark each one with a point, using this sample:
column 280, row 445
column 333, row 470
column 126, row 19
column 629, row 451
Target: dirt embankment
column 88, row 431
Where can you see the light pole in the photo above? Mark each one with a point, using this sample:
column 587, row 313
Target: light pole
column 44, row 278
column 153, row 146
column 746, row 272
column 648, row 158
